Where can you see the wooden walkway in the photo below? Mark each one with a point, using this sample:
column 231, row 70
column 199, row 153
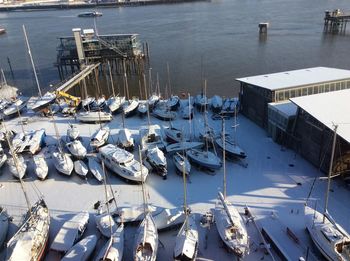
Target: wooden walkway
column 335, row 21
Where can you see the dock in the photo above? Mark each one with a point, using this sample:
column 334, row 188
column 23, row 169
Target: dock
column 335, row 21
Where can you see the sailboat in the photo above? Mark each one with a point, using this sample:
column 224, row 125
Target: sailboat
column 41, row 169
column 95, row 168
column 181, row 162
column 43, row 100
column 30, row 241
column 229, row 222
column 100, row 138
column 17, row 166
column 4, row 225
column 186, row 244
column 129, row 107
column 3, row 156
column 155, row 157
column 174, row 135
column 63, row 163
column 205, row 159
column 72, row 132
column 114, row 102
column 77, row 149
column 216, row 103
column 146, row 239
column 80, row 168
column 17, row 106
column 82, row 250
column 329, row 237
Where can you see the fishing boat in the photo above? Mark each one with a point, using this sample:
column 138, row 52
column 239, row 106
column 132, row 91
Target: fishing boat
column 181, row 164
column 4, row 225
column 17, row 166
column 114, row 247
column 70, row 232
column 169, row 218
column 43, row 101
column 174, row 135
column 37, row 141
column 100, row 138
column 216, row 103
column 130, row 107
column 122, row 163
column 73, row 132
column 173, row 103
column 151, row 137
column 124, row 140
column 41, row 168
column 82, row 250
column 90, row 14
column 329, row 237
column 77, row 149
column 115, row 103
column 232, row 149
column 94, row 116
column 15, row 108
column 164, row 114
column 95, row 168
column 155, row 157
column 80, row 168
column 204, row 159
column 231, row 227
column 105, row 224
column 183, row 146
column 30, row 241
column 3, row 156
column 63, row 163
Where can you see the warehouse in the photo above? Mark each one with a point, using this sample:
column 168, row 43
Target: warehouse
column 256, row 92
column 314, row 128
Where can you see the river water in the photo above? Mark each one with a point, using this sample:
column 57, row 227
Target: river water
column 217, row 39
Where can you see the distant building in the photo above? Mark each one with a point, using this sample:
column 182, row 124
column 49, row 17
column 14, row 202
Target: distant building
column 312, row 132
column 256, row 92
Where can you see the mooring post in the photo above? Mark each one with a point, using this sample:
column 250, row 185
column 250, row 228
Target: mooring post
column 9, row 62
column 263, row 28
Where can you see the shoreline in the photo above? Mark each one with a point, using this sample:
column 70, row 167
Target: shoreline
column 60, row 6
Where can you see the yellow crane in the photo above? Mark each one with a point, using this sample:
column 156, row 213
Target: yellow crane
column 70, row 99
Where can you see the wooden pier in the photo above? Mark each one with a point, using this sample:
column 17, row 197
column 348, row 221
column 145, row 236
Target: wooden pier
column 335, row 21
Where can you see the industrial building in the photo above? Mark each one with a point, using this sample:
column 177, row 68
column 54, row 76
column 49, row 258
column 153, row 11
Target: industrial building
column 256, row 92
column 314, row 128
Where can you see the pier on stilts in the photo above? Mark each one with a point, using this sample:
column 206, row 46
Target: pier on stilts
column 87, row 51
column 335, row 21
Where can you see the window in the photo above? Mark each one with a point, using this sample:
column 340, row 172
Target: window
column 326, row 88
column 321, row 88
column 342, row 85
column 298, row 92
column 348, row 84
column 337, row 86
column 280, row 96
column 292, row 93
column 286, row 95
column 309, row 91
column 316, row 89
column 304, row 91
column 332, row 87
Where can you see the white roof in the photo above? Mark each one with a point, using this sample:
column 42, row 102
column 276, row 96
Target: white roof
column 329, row 108
column 290, row 79
column 288, row 108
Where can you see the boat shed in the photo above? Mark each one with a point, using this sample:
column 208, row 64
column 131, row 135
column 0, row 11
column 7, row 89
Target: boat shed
column 256, row 92
column 314, row 127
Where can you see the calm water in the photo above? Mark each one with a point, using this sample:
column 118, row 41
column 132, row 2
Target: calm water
column 221, row 34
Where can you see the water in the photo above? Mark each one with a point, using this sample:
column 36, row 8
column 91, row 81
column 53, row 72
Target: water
column 217, row 39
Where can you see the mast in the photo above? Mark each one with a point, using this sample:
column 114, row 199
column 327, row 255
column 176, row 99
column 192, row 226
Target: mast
column 147, row 102
column 223, row 154
column 126, row 82
column 105, row 187
column 31, row 60
column 330, row 172
column 3, row 76
column 168, row 71
column 111, row 78
column 189, row 115
column 145, row 209
column 185, row 192
column 150, row 81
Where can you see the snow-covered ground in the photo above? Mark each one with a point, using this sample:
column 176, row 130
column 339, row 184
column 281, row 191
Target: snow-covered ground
column 273, row 181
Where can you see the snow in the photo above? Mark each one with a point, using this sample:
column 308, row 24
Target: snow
column 295, row 78
column 287, row 108
column 330, row 108
column 268, row 185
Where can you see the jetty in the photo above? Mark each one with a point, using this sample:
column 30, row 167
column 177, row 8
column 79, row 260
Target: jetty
column 335, row 21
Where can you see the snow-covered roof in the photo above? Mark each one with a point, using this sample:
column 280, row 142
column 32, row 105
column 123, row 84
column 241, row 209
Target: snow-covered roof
column 329, row 108
column 287, row 107
column 290, row 79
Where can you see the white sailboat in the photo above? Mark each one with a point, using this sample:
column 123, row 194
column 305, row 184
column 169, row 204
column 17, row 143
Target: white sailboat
column 80, row 168
column 15, row 107
column 125, row 140
column 115, row 103
column 174, row 135
column 114, row 248
column 70, row 232
column 169, row 218
column 17, row 166
column 94, row 116
column 95, row 168
column 146, row 238
column 43, row 100
column 122, row 163
column 186, row 244
column 82, row 250
column 73, row 132
column 183, row 146
column 100, row 138
column 41, row 169
column 329, row 237
column 37, row 141
column 63, row 163
column 181, row 162
column 216, row 103
column 229, row 222
column 77, row 149
column 204, row 158
column 151, row 137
